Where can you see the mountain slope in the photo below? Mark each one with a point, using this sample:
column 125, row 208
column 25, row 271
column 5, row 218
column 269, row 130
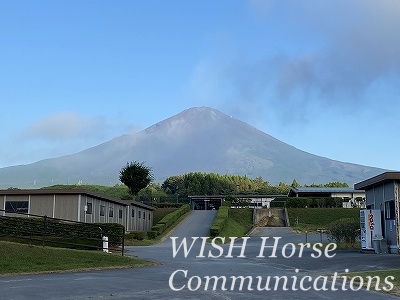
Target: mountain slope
column 195, row 140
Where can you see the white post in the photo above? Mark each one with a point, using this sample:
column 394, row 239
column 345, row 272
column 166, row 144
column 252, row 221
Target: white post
column 105, row 244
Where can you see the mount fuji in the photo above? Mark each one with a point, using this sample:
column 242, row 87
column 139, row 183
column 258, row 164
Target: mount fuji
column 198, row 139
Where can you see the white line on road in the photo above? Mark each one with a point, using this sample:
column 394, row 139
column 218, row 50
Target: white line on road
column 15, row 280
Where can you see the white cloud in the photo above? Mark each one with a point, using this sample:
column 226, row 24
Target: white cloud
column 347, row 48
column 62, row 134
column 65, row 125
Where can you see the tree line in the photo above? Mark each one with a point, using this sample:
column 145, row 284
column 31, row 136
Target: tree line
column 197, row 183
column 137, row 181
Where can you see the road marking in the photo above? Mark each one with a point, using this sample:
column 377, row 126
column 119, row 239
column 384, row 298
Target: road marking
column 15, row 280
column 85, row 278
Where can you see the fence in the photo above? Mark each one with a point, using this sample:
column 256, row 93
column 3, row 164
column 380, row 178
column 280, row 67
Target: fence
column 154, row 200
column 43, row 230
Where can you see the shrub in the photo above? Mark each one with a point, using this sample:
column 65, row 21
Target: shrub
column 152, row 234
column 220, row 221
column 158, row 228
column 344, row 230
column 61, row 232
column 313, row 202
column 137, row 235
column 169, row 219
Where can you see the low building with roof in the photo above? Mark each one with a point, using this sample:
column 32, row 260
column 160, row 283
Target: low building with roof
column 351, row 197
column 77, row 205
column 382, row 193
column 206, row 202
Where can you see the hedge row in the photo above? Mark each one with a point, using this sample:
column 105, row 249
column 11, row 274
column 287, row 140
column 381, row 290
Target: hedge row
column 303, row 202
column 220, row 221
column 60, row 231
column 167, row 221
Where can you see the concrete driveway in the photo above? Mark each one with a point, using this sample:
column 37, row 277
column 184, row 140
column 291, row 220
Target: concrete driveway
column 187, row 274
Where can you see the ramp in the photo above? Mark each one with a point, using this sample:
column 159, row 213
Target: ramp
column 198, row 223
column 270, row 217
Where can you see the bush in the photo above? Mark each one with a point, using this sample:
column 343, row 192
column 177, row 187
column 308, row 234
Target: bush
column 137, row 235
column 344, row 230
column 152, row 234
column 220, row 221
column 169, row 219
column 310, row 202
column 158, row 228
column 61, row 232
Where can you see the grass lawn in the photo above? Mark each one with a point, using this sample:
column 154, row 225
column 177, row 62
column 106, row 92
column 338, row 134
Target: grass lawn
column 310, row 219
column 240, row 222
column 22, row 258
column 160, row 213
column 382, row 274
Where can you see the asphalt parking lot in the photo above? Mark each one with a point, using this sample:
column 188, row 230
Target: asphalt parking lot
column 268, row 253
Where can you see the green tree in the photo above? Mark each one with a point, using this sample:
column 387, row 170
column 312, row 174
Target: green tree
column 295, row 184
column 336, row 184
column 135, row 176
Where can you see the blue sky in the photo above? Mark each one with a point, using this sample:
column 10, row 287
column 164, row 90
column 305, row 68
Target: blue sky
column 323, row 76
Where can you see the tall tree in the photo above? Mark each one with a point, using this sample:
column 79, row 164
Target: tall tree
column 135, row 176
column 295, row 184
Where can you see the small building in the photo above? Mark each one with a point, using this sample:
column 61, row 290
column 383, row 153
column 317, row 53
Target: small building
column 204, row 202
column 351, row 197
column 77, row 205
column 382, row 193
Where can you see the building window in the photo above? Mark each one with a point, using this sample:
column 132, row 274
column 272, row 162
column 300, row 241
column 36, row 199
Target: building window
column 120, row 214
column 389, row 210
column 133, row 213
column 102, row 210
column 17, row 207
column 148, row 215
column 144, row 215
column 139, row 214
column 111, row 212
column 89, row 208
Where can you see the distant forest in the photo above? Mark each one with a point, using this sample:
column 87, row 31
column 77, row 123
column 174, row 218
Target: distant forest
column 214, row 184
column 197, row 183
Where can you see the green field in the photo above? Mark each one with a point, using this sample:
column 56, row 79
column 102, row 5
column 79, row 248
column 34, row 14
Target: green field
column 311, row 219
column 239, row 223
column 22, row 258
column 160, row 213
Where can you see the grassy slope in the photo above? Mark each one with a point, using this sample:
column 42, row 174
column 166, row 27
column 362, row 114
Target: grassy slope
column 313, row 218
column 160, row 213
column 22, row 258
column 239, row 223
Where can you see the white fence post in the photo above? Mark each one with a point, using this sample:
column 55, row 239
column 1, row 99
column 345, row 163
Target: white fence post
column 105, row 244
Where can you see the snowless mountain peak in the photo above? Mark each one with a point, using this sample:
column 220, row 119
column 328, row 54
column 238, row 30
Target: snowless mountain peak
column 198, row 139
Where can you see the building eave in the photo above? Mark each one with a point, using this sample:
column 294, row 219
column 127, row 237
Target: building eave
column 378, row 179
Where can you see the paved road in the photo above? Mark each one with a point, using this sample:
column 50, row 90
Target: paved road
column 153, row 282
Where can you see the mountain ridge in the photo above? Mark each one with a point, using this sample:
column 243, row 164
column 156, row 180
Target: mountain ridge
column 199, row 139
